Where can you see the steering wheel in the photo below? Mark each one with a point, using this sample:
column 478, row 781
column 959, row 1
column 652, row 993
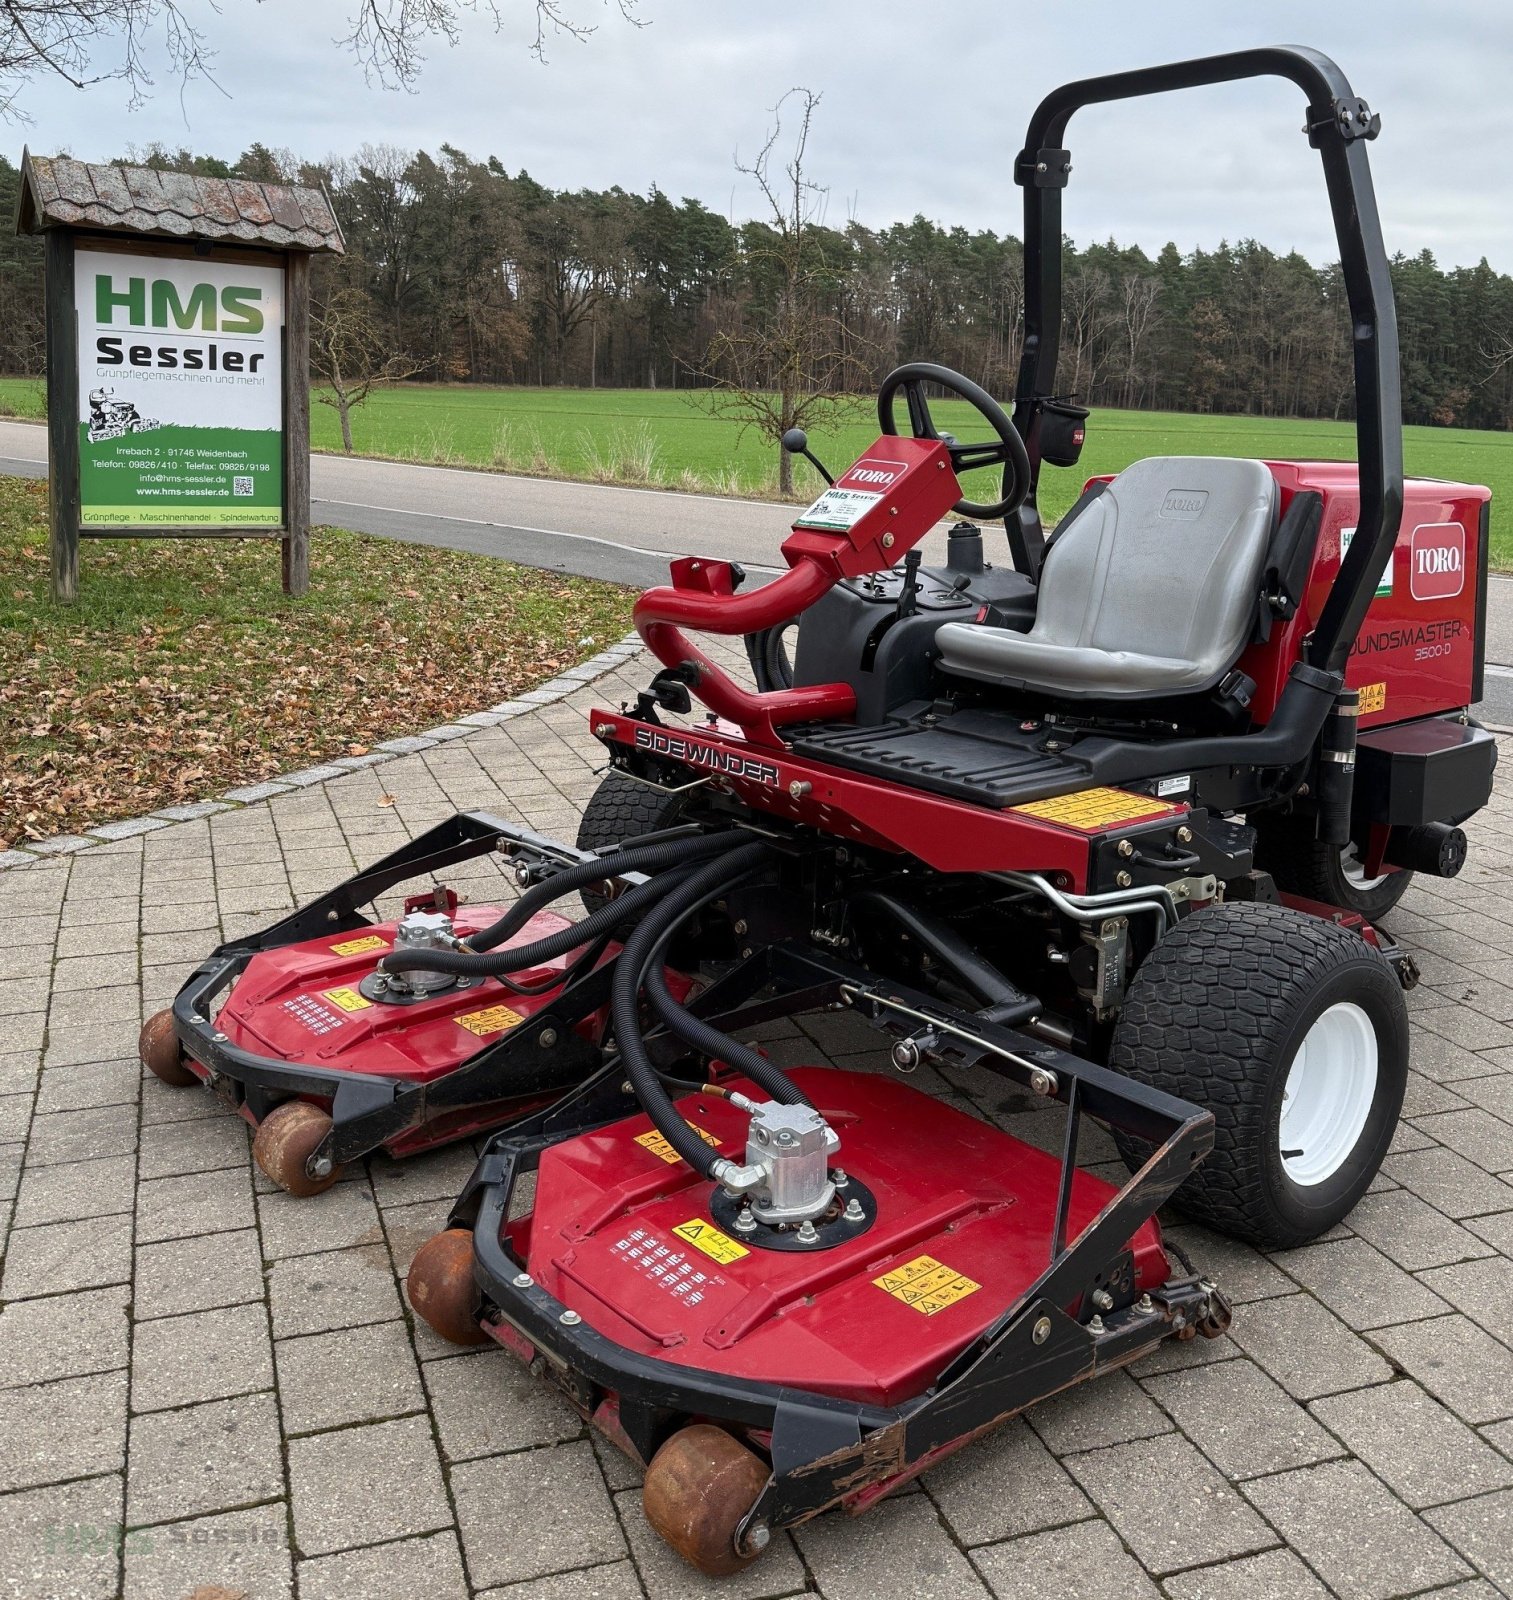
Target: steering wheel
column 1007, row 448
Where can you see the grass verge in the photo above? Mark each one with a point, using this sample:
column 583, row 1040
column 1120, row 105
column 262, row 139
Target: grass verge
column 184, row 670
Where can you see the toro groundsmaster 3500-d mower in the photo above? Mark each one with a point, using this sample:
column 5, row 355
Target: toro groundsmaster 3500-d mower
column 1114, row 823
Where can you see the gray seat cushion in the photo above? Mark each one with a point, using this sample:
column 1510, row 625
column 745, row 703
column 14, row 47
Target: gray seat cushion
column 1150, row 591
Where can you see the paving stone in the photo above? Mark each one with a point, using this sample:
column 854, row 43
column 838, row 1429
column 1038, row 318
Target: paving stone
column 336, row 1289
column 250, row 793
column 104, row 1083
column 202, row 1202
column 204, row 1355
column 1483, row 1290
column 1168, row 1504
column 1459, row 1363
column 63, row 1336
column 192, row 812
column 533, row 1513
column 241, row 1553
column 62, row 1542
column 173, row 1149
column 1482, row 1531
column 1474, row 1133
column 1425, row 1454
column 1276, row 1575
column 436, row 1175
column 205, row 1458
column 967, row 1487
column 1242, row 1421
column 54, row 1431
column 1411, row 1232
column 362, row 1485
column 1449, row 1182
column 899, row 1549
column 1243, row 1273
column 197, row 1274
column 1309, row 1351
column 615, row 1581
column 1086, row 1560
column 80, row 1136
column 487, row 1402
column 430, row 1567
column 1113, row 1410
column 346, row 1216
column 1363, row 1542
column 1495, row 1231
column 55, row 1257
column 1359, row 1284
column 330, row 1380
column 667, row 1576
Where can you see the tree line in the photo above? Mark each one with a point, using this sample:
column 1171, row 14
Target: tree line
column 462, row 271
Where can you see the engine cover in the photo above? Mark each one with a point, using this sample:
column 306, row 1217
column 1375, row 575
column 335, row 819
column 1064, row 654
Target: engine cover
column 621, row 1234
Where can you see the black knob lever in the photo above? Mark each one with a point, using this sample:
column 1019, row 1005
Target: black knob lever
column 796, row 443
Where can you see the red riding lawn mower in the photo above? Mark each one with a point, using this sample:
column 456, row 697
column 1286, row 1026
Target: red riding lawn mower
column 1114, row 823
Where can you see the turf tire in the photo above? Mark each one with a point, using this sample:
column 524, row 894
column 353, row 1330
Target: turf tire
column 622, row 809
column 1215, row 1015
column 1302, row 865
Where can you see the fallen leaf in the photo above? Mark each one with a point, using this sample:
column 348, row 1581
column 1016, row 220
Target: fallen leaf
column 386, row 799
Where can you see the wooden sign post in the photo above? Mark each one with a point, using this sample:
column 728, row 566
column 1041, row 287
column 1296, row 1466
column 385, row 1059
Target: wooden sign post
column 178, row 356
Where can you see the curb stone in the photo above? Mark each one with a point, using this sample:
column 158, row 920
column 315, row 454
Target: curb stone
column 31, row 851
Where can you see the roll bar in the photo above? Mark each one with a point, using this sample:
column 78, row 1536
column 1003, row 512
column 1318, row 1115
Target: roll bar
column 1338, row 125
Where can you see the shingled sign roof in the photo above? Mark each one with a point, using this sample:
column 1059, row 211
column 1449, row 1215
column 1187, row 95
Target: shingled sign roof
column 58, row 192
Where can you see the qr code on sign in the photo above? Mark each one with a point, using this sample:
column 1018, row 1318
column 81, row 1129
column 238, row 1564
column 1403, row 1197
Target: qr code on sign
column 241, row 485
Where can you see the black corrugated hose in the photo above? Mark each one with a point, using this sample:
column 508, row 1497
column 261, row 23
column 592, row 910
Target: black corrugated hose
column 641, row 948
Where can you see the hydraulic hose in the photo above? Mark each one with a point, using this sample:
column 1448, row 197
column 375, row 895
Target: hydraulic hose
column 640, row 949
column 708, row 1040
column 480, row 964
column 634, row 856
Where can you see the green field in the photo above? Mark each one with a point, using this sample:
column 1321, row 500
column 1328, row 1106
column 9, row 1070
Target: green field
column 663, row 438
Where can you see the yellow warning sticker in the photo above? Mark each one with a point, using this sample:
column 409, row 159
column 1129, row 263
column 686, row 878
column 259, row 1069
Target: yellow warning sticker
column 347, row 999
column 1093, row 810
column 493, row 1020
column 358, row 947
column 926, row 1285
column 1373, row 698
column 708, row 1238
column 663, row 1151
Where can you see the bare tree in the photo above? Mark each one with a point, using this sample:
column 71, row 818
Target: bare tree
column 1139, row 316
column 89, row 41
column 796, row 366
column 347, row 355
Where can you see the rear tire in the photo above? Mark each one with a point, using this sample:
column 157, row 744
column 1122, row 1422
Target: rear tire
column 1304, row 866
column 1293, row 1031
column 622, row 809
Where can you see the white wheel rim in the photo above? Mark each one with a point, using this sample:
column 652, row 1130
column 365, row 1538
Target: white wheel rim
column 1355, row 872
column 1327, row 1098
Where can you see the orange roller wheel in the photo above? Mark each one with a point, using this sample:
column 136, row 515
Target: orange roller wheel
column 162, row 1054
column 441, row 1287
column 286, row 1139
column 699, row 1486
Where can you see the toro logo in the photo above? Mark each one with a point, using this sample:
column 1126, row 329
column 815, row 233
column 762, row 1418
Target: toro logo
column 1438, row 561
column 874, row 474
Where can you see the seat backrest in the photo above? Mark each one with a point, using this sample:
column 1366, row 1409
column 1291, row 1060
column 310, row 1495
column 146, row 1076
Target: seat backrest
column 1167, row 561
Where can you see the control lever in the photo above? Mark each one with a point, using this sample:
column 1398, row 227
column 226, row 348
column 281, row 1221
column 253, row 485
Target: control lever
column 908, row 596
column 796, row 443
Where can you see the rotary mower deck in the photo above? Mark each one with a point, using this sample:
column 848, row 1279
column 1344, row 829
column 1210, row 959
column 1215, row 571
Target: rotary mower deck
column 1114, row 823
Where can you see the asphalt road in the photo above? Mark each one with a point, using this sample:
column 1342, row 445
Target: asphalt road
column 620, row 535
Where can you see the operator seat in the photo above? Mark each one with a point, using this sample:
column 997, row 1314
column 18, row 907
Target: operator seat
column 1148, row 590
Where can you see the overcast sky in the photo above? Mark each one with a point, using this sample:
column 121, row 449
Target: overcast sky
column 924, row 107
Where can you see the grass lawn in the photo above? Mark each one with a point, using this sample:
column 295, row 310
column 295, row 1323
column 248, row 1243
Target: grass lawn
column 184, row 670
column 662, row 437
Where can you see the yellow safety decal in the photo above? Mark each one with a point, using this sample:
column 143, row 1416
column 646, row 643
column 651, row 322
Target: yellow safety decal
column 1373, row 698
column 347, row 999
column 708, row 1238
column 494, row 1020
column 357, row 947
column 926, row 1285
column 663, row 1151
column 1093, row 810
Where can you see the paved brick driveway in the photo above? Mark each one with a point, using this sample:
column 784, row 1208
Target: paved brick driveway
column 234, row 1376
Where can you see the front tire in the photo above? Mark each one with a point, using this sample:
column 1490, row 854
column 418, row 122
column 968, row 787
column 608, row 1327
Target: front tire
column 1302, row 865
column 1293, row 1031
column 620, row 809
